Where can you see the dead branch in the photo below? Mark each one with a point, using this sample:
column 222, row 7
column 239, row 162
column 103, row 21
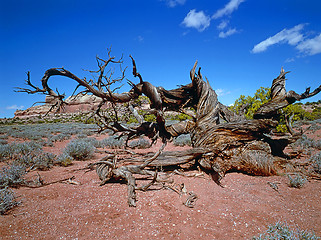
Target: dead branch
column 222, row 140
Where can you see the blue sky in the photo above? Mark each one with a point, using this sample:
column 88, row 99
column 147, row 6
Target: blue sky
column 241, row 45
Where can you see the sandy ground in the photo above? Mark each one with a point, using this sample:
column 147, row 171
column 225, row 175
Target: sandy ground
column 243, row 208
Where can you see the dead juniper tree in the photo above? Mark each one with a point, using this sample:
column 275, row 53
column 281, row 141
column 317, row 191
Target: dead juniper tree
column 222, row 140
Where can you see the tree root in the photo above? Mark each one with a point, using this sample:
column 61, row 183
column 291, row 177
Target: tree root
column 39, row 182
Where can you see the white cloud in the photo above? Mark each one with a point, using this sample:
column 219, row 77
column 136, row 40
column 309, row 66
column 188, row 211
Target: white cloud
column 140, row 39
column 222, row 25
column 221, row 92
column 227, row 33
column 201, row 21
column 291, row 36
column 230, row 7
column 14, row 107
column 174, row 3
column 310, row 46
column 197, row 20
column 288, row 60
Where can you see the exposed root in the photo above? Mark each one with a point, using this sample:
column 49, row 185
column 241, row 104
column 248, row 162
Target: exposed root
column 191, row 200
column 39, row 182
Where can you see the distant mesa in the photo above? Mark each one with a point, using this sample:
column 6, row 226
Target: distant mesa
column 78, row 104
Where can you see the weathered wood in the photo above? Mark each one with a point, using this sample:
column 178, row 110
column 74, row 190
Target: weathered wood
column 222, row 140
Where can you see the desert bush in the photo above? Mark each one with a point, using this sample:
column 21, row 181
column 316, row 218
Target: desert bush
column 7, row 200
column 60, row 137
column 5, row 152
column 113, row 142
column 79, row 149
column 314, row 127
column 317, row 121
column 3, row 136
column 48, row 143
column 46, row 130
column 3, row 141
column 316, row 162
column 171, row 122
column 183, row 140
column 140, row 143
column 180, row 117
column 297, row 181
column 81, row 135
column 64, row 160
column 282, row 231
column 43, row 161
column 304, row 142
column 12, row 175
column 94, row 142
column 15, row 150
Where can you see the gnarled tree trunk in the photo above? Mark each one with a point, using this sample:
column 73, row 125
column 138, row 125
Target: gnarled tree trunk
column 222, row 140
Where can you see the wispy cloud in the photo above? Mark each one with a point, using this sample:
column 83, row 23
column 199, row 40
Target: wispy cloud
column 14, row 107
column 221, row 92
column 230, row 7
column 222, row 25
column 139, row 38
column 227, row 33
column 174, row 3
column 310, row 46
column 288, row 60
column 197, row 20
column 291, row 36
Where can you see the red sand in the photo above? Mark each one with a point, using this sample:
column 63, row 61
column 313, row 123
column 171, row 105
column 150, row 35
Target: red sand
column 242, row 209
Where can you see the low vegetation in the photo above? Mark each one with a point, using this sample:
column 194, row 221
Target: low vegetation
column 316, row 162
column 7, row 200
column 297, row 180
column 282, row 231
column 79, row 149
column 301, row 112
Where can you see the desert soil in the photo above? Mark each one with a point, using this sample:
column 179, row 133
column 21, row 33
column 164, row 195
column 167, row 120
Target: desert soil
column 241, row 209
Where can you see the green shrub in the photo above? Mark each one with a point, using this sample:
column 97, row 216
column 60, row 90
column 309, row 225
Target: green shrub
column 150, row 118
column 297, row 181
column 140, row 143
column 281, row 231
column 43, row 161
column 183, row 140
column 261, row 96
column 94, row 142
column 64, row 160
column 79, row 149
column 12, row 175
column 304, row 142
column 7, row 200
column 316, row 162
column 113, row 142
column 60, row 137
column 3, row 141
column 180, row 117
